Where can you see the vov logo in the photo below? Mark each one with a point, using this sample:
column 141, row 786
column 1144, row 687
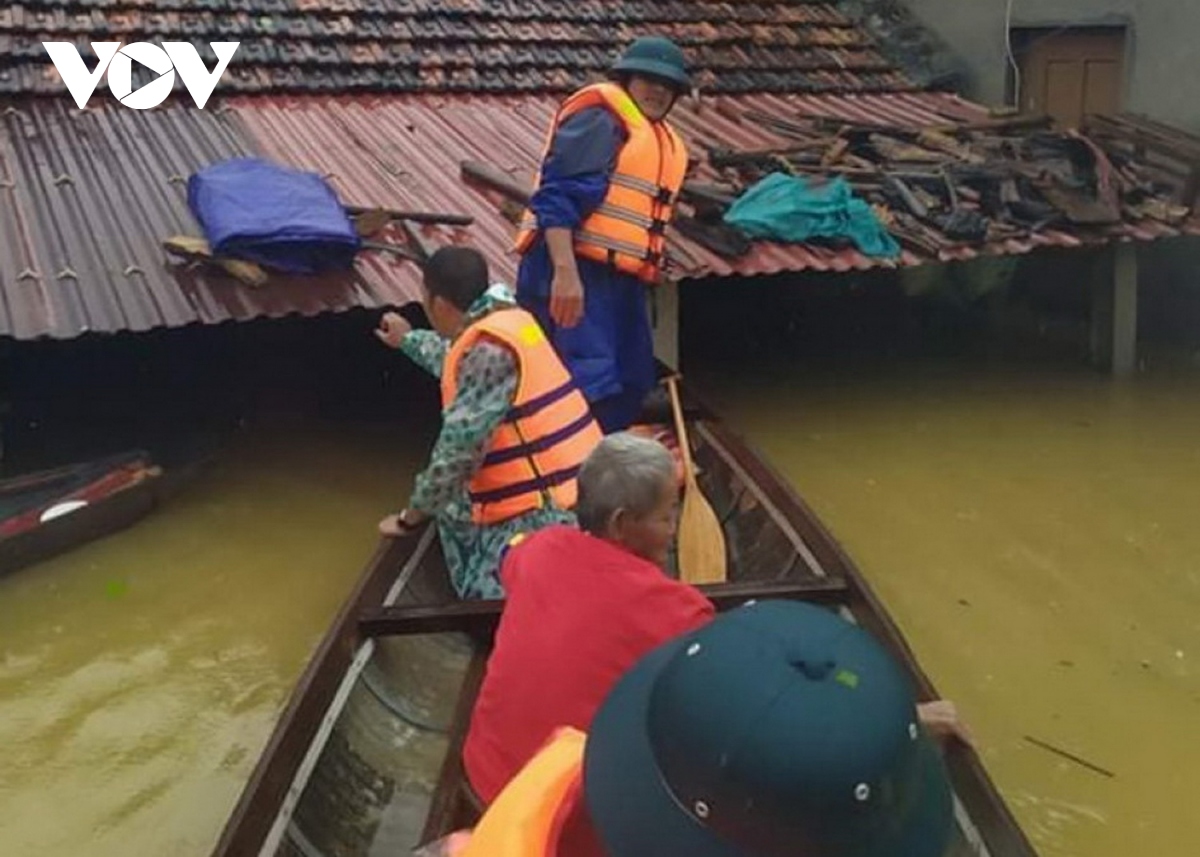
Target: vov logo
column 118, row 61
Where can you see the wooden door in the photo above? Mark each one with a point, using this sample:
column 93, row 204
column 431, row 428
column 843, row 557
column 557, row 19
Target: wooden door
column 1068, row 74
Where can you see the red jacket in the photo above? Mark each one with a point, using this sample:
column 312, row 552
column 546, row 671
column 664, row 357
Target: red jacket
column 580, row 612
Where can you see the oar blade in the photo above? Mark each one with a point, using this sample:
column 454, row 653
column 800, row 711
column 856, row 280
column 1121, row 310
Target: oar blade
column 700, row 545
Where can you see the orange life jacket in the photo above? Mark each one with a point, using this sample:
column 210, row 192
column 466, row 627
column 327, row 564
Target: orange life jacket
column 527, row 818
column 536, row 452
column 628, row 229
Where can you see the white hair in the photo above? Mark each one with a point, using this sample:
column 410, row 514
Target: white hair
column 624, row 471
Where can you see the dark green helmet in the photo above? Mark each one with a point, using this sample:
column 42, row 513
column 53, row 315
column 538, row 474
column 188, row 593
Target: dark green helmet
column 655, row 56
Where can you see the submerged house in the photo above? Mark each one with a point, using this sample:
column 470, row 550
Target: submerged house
column 389, row 98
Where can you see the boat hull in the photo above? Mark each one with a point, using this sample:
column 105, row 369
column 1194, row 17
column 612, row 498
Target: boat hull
column 52, row 512
column 366, row 757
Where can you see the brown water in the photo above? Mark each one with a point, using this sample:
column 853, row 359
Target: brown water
column 1033, row 535
column 140, row 676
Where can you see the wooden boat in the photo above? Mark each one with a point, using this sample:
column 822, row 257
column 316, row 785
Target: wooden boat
column 365, row 757
column 49, row 512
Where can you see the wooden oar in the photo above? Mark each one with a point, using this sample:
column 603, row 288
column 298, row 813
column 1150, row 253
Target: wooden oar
column 700, row 546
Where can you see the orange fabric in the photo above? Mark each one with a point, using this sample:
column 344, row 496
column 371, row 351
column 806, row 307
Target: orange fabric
column 527, row 819
column 549, row 431
column 666, row 436
column 627, row 230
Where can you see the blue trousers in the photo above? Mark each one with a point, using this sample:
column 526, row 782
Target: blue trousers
column 610, row 353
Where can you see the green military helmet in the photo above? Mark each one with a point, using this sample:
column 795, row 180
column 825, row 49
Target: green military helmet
column 655, row 56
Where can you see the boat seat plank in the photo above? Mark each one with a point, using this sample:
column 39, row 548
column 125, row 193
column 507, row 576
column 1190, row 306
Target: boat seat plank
column 481, row 617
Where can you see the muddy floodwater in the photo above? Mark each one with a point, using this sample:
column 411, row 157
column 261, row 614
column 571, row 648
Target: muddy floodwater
column 140, row 676
column 1034, row 533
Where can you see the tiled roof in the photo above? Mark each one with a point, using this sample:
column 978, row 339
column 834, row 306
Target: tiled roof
column 488, row 46
column 87, row 197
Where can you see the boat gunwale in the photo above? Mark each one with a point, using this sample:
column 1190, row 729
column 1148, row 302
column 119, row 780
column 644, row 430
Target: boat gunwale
column 263, row 797
column 972, row 784
column 39, row 479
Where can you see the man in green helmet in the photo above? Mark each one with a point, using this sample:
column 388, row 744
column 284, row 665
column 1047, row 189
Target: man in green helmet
column 593, row 238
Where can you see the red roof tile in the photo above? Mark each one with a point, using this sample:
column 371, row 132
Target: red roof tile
column 409, row 45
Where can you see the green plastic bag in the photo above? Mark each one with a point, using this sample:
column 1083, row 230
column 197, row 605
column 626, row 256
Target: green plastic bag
column 788, row 209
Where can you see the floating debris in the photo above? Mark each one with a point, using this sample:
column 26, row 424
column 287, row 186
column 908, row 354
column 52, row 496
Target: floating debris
column 1071, row 757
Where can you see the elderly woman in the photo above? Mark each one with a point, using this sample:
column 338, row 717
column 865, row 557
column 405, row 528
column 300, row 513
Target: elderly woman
column 583, row 606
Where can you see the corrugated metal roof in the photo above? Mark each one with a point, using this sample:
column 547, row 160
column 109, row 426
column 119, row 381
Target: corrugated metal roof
column 900, row 110
column 412, row 147
column 87, row 197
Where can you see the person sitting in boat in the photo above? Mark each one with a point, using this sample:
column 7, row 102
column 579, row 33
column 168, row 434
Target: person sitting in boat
column 778, row 729
column 515, row 428
column 583, row 606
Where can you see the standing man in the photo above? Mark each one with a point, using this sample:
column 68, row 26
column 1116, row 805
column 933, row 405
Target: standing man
column 515, row 428
column 594, row 237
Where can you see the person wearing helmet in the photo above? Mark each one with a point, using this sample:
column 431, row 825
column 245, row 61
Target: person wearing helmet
column 777, row 730
column 593, row 237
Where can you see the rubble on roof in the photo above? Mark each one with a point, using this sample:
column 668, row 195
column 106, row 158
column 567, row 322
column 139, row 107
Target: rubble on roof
column 941, row 187
column 477, row 46
column 1165, row 154
column 948, row 181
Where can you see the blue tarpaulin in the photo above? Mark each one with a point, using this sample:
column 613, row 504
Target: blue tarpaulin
column 789, row 209
column 279, row 217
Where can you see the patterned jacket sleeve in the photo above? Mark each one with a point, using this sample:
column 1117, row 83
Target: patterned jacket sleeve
column 427, row 349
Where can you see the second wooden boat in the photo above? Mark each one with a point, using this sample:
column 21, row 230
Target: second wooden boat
column 49, row 512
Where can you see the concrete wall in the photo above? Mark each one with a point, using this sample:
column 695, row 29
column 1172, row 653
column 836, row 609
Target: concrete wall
column 1161, row 45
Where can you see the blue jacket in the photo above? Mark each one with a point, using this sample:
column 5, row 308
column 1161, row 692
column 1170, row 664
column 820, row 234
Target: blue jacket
column 611, row 352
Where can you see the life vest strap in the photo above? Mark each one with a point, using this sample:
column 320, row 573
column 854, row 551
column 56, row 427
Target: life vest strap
column 626, row 214
column 530, row 448
column 544, row 483
column 613, row 244
column 641, row 185
column 521, row 412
